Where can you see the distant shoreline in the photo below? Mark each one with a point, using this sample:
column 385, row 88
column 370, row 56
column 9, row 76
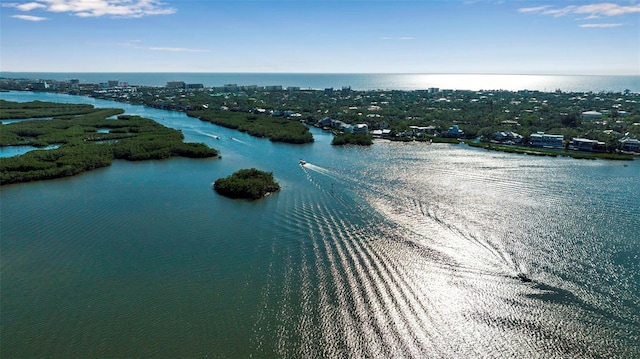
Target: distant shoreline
column 360, row 81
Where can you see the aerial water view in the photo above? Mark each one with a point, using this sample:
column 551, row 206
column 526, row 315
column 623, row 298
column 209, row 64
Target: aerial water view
column 319, row 179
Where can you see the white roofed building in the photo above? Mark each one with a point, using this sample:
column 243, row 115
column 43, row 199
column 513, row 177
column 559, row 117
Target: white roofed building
column 630, row 144
column 541, row 139
column 591, row 115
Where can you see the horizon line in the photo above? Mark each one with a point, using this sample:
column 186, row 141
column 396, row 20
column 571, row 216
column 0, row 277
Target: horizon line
column 322, row 73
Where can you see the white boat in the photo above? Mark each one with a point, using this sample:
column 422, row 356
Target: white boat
column 302, row 162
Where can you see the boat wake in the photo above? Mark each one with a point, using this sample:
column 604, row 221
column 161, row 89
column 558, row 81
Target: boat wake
column 322, row 170
column 239, row 141
column 209, row 135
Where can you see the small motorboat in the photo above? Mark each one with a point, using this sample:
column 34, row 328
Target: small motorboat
column 302, row 162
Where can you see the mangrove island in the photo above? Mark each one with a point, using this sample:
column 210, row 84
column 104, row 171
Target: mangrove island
column 70, row 139
column 247, row 184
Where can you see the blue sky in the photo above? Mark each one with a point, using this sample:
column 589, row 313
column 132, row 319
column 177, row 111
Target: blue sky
column 320, row 36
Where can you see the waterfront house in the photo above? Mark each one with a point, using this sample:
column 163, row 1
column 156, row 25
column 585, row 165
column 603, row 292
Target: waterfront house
column 325, row 122
column 430, row 130
column 508, row 137
column 381, row 133
column 585, row 144
column 454, row 131
column 360, row 128
column 336, row 124
column 541, row 139
column 630, row 144
column 40, row 85
column 346, row 128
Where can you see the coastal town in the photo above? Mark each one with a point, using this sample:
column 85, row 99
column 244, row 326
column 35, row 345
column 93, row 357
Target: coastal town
column 604, row 122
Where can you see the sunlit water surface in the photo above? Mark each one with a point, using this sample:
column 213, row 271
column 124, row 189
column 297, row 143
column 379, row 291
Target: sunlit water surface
column 397, row 250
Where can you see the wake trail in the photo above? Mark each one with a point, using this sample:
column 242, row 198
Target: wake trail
column 239, row 141
column 211, row 135
column 322, row 170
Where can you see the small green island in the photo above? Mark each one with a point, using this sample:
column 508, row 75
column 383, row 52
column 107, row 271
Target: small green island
column 247, row 184
column 70, row 139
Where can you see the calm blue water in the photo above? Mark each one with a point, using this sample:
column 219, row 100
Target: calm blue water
column 398, row 250
column 545, row 83
column 11, row 151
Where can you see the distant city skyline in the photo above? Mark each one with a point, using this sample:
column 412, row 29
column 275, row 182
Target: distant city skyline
column 318, row 36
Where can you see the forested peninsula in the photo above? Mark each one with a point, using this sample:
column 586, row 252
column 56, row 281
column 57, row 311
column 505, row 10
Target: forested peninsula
column 81, row 138
column 276, row 129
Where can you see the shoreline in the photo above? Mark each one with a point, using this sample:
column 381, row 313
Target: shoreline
column 535, row 151
column 409, row 81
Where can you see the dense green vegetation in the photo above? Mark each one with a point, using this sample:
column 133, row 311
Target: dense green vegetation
column 276, row 129
column 86, row 141
column 361, row 139
column 482, row 115
column 35, row 109
column 46, row 164
column 247, row 183
column 478, row 113
column 64, row 129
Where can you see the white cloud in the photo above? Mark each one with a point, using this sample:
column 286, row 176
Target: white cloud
column 29, row 6
column 97, row 8
column 607, row 9
column 600, row 25
column 559, row 12
column 591, row 10
column 29, row 17
column 533, row 9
